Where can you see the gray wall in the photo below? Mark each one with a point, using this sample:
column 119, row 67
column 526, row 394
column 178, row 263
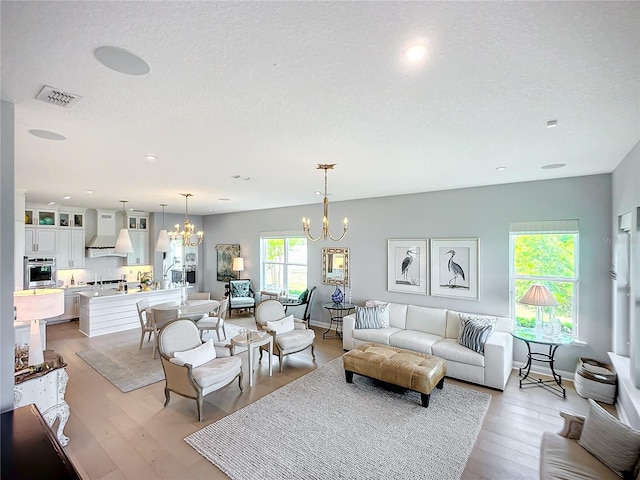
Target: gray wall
column 483, row 212
column 7, row 232
column 626, row 199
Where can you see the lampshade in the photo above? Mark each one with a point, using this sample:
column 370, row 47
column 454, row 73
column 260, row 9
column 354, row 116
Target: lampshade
column 164, row 242
column 538, row 295
column 123, row 243
column 238, row 264
column 33, row 305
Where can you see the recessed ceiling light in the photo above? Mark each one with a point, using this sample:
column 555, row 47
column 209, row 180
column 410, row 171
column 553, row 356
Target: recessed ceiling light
column 501, row 169
column 415, row 53
column 90, row 191
column 551, row 166
column 120, row 60
column 52, row 203
column 318, row 192
column 151, row 158
column 552, row 124
column 47, row 135
column 67, row 197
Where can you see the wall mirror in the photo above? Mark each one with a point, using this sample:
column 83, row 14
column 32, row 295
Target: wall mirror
column 335, row 266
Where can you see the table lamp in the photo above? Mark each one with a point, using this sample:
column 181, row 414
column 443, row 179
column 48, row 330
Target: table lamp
column 33, row 306
column 238, row 265
column 538, row 296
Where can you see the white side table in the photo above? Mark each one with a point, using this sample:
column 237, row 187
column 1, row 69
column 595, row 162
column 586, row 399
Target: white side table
column 46, row 390
column 255, row 341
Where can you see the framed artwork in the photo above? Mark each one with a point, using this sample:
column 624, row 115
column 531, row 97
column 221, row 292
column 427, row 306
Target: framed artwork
column 455, row 269
column 407, row 266
column 225, row 255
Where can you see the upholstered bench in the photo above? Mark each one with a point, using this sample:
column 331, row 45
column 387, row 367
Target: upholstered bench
column 405, row 368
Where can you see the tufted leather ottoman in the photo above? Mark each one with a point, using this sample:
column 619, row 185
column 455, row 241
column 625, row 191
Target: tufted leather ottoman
column 405, row 368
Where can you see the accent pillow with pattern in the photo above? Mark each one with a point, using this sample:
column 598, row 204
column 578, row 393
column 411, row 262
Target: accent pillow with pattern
column 367, row 317
column 474, row 332
column 240, row 289
column 383, row 311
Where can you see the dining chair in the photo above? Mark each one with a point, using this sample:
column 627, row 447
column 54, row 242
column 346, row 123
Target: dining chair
column 215, row 320
column 145, row 323
column 199, row 296
column 159, row 318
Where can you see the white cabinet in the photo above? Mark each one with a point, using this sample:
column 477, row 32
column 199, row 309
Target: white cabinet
column 70, row 248
column 140, row 242
column 71, row 218
column 39, row 240
column 41, row 217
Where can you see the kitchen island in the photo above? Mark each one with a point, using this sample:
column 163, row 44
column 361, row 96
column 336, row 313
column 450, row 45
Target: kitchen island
column 108, row 311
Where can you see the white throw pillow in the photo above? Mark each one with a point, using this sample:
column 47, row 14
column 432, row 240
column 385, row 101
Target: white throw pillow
column 199, row 355
column 615, row 444
column 282, row 326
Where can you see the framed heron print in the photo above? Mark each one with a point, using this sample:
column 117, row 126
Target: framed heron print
column 455, row 268
column 407, row 266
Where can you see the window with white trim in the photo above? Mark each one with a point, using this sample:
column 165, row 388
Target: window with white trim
column 545, row 253
column 283, row 263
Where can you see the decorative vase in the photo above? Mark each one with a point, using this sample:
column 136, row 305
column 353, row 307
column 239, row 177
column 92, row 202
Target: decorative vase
column 337, row 296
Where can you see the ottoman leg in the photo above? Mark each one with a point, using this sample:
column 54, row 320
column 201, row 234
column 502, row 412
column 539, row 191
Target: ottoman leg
column 349, row 376
column 425, row 399
column 440, row 383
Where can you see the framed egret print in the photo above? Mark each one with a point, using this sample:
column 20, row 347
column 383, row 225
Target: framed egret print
column 455, row 269
column 407, row 266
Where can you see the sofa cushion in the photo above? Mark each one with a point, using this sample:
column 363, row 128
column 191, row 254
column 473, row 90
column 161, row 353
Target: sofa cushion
column 397, row 312
column 221, row 370
column 474, row 332
column 427, row 320
column 376, row 335
column 296, row 339
column 561, row 458
column 451, row 350
column 616, row 445
column 412, row 340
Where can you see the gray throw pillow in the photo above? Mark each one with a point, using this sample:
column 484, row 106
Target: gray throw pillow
column 367, row 317
column 474, row 334
column 615, row 444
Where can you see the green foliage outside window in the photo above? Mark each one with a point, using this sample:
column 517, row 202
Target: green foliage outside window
column 547, row 259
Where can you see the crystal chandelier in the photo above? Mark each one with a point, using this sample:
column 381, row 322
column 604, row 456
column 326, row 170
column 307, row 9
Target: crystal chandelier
column 306, row 222
column 187, row 233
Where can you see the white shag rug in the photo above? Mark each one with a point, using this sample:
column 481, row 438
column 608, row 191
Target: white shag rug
column 320, row 427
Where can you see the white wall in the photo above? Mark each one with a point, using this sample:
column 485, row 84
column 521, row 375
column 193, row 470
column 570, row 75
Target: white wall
column 7, row 239
column 483, row 212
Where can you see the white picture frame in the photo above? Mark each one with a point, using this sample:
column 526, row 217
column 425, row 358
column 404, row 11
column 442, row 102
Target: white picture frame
column 455, row 267
column 407, row 266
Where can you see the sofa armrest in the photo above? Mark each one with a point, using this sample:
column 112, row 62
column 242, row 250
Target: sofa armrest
column 573, row 424
column 498, row 359
column 348, row 324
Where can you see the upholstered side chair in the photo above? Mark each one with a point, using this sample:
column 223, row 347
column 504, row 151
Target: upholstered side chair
column 179, row 340
column 241, row 296
column 288, row 337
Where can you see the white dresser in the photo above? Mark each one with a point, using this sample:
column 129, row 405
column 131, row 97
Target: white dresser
column 46, row 390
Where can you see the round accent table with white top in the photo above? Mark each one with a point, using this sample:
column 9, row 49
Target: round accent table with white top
column 253, row 341
column 529, row 336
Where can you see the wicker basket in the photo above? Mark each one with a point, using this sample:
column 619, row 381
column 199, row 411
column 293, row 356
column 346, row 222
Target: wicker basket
column 596, row 380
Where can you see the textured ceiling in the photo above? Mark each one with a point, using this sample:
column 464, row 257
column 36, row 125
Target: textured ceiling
column 267, row 90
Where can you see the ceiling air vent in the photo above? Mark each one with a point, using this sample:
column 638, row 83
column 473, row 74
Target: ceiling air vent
column 55, row 96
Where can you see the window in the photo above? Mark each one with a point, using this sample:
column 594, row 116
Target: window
column 283, row 260
column 545, row 253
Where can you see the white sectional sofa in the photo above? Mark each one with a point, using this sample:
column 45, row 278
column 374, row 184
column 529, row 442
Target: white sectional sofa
column 434, row 331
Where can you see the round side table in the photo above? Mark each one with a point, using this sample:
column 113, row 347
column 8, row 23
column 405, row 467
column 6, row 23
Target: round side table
column 337, row 311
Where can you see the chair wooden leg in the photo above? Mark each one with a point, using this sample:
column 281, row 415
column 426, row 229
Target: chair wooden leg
column 240, row 380
column 313, row 350
column 200, row 402
column 166, row 395
column 141, row 340
column 280, row 356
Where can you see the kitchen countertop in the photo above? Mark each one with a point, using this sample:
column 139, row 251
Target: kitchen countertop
column 110, row 292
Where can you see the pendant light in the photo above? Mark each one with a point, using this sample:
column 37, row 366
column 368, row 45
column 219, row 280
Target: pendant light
column 123, row 243
column 164, row 243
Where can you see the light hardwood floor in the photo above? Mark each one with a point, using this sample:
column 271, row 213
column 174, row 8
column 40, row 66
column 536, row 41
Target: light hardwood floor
column 131, row 436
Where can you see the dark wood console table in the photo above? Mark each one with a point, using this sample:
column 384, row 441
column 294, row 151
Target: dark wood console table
column 30, row 449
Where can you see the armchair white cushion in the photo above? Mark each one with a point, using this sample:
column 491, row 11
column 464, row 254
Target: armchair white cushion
column 284, row 342
column 190, row 381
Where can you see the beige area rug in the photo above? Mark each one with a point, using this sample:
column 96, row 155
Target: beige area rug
column 129, row 368
column 320, row 427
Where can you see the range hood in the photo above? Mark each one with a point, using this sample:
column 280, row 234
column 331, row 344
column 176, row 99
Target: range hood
column 104, row 243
